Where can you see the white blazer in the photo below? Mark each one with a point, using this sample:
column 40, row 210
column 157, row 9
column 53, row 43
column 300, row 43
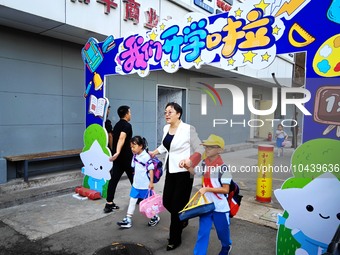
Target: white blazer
column 183, row 145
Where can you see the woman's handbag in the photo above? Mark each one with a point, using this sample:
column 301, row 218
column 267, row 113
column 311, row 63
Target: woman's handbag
column 151, row 205
column 197, row 206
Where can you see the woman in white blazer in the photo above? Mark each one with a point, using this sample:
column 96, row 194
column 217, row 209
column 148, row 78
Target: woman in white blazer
column 180, row 142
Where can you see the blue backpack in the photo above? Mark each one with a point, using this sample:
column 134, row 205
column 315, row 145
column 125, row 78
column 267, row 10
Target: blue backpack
column 157, row 168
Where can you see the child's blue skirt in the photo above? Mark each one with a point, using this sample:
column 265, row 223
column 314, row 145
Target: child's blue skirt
column 138, row 193
column 279, row 142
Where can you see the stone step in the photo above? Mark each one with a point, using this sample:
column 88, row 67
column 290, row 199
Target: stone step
column 17, row 191
column 40, row 181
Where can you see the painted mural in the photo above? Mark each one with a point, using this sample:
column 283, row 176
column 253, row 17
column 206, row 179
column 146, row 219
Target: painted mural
column 249, row 34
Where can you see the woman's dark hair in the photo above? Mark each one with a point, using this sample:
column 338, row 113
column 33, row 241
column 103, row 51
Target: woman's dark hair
column 123, row 110
column 177, row 108
column 141, row 141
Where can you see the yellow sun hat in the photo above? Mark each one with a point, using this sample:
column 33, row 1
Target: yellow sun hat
column 214, row 140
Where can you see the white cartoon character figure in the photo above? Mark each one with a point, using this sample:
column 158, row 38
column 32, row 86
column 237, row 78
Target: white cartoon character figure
column 155, row 208
column 313, row 213
column 97, row 166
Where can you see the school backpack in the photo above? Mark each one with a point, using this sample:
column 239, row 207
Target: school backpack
column 234, row 196
column 157, row 165
column 157, row 168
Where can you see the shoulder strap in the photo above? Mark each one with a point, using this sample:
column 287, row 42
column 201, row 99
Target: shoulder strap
column 136, row 160
column 220, row 173
column 152, row 161
column 207, row 182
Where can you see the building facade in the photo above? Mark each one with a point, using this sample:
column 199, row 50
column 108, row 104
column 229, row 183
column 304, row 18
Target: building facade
column 42, row 74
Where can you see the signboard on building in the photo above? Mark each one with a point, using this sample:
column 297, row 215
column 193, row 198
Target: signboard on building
column 205, row 6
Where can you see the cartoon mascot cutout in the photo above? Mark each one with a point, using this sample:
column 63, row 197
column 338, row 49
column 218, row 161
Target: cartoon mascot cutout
column 310, row 199
column 95, row 157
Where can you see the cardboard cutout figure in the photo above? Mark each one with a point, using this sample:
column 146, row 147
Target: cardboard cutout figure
column 95, row 157
column 310, row 199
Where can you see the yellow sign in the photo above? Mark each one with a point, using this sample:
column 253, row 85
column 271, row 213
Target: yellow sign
column 265, row 173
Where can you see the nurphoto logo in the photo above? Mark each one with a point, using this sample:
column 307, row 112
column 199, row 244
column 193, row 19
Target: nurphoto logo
column 238, row 100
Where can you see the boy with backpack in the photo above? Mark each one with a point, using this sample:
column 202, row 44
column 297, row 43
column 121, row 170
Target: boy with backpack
column 216, row 184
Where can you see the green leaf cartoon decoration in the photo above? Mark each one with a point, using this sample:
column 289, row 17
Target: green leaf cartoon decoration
column 310, row 199
column 95, row 132
column 95, row 157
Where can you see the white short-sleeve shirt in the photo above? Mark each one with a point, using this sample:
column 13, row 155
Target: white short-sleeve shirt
column 140, row 178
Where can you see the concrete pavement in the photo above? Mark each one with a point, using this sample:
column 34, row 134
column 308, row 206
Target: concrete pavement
column 63, row 224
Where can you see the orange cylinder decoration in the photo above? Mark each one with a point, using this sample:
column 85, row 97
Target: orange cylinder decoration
column 85, row 192
column 265, row 173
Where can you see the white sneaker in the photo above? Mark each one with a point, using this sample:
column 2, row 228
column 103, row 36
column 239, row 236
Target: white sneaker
column 230, row 247
column 125, row 223
column 154, row 221
column 225, row 250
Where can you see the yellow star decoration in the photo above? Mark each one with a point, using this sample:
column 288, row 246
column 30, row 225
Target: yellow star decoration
column 238, row 12
column 231, row 61
column 142, row 71
column 262, row 5
column 276, row 30
column 173, row 66
column 249, row 56
column 189, row 19
column 166, row 62
column 153, row 35
column 198, row 60
column 122, row 47
column 265, row 57
column 162, row 26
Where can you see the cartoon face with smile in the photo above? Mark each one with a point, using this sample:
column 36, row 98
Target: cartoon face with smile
column 96, row 162
column 314, row 212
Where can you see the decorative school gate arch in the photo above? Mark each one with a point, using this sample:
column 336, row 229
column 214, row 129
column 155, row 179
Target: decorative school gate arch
column 251, row 34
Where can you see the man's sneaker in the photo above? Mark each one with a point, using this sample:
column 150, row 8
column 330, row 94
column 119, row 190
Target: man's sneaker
column 125, row 223
column 225, row 250
column 154, row 221
column 109, row 207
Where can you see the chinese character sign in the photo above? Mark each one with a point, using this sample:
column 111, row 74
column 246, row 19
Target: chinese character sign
column 241, row 37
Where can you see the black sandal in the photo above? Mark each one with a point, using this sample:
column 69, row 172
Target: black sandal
column 114, row 206
column 185, row 224
column 171, row 247
column 109, row 207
